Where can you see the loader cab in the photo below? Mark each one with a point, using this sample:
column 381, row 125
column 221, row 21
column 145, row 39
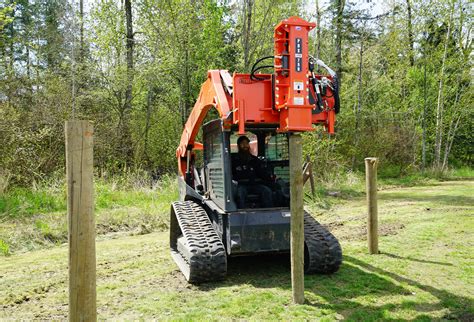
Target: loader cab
column 219, row 149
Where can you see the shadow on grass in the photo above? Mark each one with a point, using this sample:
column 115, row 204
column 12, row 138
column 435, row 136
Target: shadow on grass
column 461, row 308
column 437, row 199
column 415, row 259
column 342, row 291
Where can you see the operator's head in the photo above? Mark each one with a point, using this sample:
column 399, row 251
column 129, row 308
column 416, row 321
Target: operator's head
column 243, row 143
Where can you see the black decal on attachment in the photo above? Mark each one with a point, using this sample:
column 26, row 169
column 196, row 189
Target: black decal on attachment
column 298, row 54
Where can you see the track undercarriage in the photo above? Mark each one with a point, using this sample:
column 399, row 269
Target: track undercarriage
column 195, row 246
column 201, row 255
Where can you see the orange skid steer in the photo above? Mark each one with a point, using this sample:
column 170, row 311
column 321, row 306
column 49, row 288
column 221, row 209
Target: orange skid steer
column 209, row 223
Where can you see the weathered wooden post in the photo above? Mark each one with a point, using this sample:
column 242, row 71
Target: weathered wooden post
column 297, row 219
column 81, row 221
column 372, row 217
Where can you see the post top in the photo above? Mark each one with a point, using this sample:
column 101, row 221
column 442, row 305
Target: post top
column 372, row 160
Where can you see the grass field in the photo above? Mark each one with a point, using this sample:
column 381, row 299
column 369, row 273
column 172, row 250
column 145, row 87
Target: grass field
column 36, row 218
column 424, row 271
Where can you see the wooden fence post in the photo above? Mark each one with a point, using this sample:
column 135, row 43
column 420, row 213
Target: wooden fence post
column 297, row 219
column 372, row 217
column 81, row 221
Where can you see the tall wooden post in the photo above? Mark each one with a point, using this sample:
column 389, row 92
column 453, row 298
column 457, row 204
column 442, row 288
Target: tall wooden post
column 372, row 217
column 297, row 219
column 81, row 221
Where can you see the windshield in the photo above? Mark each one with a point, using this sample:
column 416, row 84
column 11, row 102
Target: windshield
column 276, row 152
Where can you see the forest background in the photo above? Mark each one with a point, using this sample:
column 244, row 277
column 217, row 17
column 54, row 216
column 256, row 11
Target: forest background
column 134, row 68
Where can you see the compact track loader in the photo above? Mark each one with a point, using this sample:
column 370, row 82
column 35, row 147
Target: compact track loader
column 208, row 224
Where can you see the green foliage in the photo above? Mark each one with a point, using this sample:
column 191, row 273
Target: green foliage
column 5, row 17
column 4, row 248
column 50, row 72
column 29, row 149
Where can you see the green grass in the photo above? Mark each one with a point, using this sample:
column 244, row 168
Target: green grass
column 347, row 185
column 463, row 172
column 36, row 217
column 23, row 202
column 425, row 271
column 426, row 178
column 109, row 194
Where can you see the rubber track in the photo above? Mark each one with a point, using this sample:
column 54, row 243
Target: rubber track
column 207, row 256
column 323, row 252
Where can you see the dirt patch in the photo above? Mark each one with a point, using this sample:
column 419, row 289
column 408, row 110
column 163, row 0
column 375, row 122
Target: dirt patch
column 360, row 232
column 176, row 281
column 390, row 229
column 334, row 225
column 34, row 294
column 130, row 229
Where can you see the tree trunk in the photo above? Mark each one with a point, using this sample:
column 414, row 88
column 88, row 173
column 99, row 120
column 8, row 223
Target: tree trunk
column 318, row 31
column 449, row 141
column 453, row 126
column 423, row 122
column 126, row 140
column 28, row 63
column 440, row 104
column 248, row 23
column 359, row 79
column 187, row 84
column 359, row 101
column 81, row 31
column 149, row 107
column 129, row 47
column 339, row 20
column 181, row 105
column 410, row 35
column 12, row 41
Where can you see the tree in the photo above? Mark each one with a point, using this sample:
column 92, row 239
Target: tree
column 410, row 34
column 248, row 6
column 338, row 22
column 125, row 112
column 135, row 68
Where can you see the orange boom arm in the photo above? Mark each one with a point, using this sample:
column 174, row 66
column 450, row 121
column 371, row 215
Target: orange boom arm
column 212, row 95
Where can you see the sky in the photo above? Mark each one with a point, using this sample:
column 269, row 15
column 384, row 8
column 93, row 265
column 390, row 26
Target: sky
column 377, row 6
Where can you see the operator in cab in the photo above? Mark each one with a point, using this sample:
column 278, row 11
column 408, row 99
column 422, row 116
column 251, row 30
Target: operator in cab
column 249, row 173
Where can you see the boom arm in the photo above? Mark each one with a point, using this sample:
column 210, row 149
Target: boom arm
column 212, row 94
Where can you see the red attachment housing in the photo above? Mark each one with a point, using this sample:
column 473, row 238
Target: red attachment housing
column 286, row 102
column 253, row 101
column 285, row 99
column 291, row 74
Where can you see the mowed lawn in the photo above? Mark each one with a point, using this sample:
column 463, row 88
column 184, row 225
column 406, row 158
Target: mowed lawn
column 424, row 272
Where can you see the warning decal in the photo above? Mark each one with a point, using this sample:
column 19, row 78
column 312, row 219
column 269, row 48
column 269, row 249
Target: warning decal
column 298, row 100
